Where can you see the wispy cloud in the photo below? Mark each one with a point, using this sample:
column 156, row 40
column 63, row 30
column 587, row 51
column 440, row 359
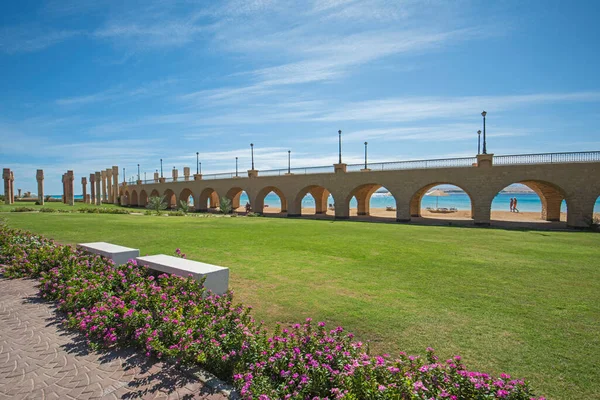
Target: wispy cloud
column 26, row 39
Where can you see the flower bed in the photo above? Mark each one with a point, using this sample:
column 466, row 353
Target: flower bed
column 173, row 317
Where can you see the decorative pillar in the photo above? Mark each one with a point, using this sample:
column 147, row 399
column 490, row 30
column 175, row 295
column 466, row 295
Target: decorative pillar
column 12, row 187
column 40, row 181
column 19, row 196
column 115, row 184
column 156, row 177
column 6, row 176
column 109, row 185
column 175, row 174
column 93, row 188
column 98, row 177
column 64, row 194
column 186, row 173
column 197, row 177
column 485, row 160
column 103, row 177
column 84, row 187
column 252, row 173
column 70, row 188
column 339, row 168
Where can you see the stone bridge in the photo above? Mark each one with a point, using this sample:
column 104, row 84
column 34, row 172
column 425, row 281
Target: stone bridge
column 573, row 177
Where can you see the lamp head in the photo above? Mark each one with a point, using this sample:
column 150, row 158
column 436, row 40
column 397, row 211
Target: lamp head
column 483, row 114
column 479, row 132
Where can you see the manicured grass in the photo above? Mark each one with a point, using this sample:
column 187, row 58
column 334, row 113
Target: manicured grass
column 522, row 302
column 50, row 204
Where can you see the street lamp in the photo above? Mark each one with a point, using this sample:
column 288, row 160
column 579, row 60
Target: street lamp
column 124, row 176
column 289, row 159
column 340, row 146
column 366, row 155
column 145, row 177
column 197, row 163
column 479, row 141
column 138, row 172
column 483, row 114
column 236, row 167
column 200, row 167
column 161, row 171
column 252, row 150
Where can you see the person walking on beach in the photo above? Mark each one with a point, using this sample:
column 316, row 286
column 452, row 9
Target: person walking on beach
column 515, row 205
column 512, row 204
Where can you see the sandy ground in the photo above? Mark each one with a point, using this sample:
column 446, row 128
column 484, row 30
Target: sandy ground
column 459, row 215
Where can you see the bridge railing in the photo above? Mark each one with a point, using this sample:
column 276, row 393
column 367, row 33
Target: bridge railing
column 416, row 164
column 548, row 158
column 325, row 169
column 223, row 175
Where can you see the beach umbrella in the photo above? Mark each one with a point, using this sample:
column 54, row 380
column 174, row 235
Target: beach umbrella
column 437, row 193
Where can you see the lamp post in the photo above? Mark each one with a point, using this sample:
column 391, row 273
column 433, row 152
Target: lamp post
column 236, row 167
column 340, row 146
column 289, row 161
column 483, row 114
column 144, row 177
column 252, row 150
column 479, row 141
column 124, row 176
column 200, row 167
column 366, row 155
column 197, row 163
column 138, row 172
column 161, row 170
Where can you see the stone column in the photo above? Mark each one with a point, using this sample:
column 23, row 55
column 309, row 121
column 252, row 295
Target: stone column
column 485, row 160
column 103, row 177
column 84, row 187
column 339, row 168
column 98, row 178
column 109, row 186
column 156, row 177
column 186, row 173
column 12, row 187
column 115, row 184
column 6, row 177
column 252, row 173
column 93, row 188
column 70, row 188
column 197, row 177
column 175, row 174
column 64, row 194
column 19, row 196
column 40, row 181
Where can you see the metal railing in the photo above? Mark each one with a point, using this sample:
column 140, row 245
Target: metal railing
column 325, row 169
column 416, row 164
column 548, row 158
column 462, row 162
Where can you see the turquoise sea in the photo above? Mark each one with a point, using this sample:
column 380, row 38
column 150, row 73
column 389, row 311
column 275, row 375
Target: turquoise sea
column 526, row 201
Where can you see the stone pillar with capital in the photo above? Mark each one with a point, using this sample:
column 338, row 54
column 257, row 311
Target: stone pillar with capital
column 339, row 168
column 252, row 173
column 12, row 187
column 156, row 177
column 115, row 184
column 485, row 160
column 39, row 176
column 109, row 186
column 197, row 177
column 6, row 176
column 175, row 174
column 70, row 188
column 84, row 187
column 186, row 173
column 92, row 188
column 103, row 178
column 64, row 184
column 98, row 177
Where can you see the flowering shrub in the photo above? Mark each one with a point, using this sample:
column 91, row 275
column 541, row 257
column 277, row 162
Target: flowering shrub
column 176, row 318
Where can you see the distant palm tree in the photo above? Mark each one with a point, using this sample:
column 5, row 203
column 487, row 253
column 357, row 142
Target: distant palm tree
column 157, row 203
column 225, row 205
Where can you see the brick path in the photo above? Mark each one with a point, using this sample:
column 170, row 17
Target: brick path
column 40, row 360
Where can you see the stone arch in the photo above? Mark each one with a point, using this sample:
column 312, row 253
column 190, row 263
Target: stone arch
column 170, row 198
column 550, row 195
column 417, row 198
column 125, row 198
column 133, row 201
column 234, row 194
column 209, row 198
column 363, row 195
column 185, row 196
column 155, row 193
column 143, row 201
column 318, row 193
column 259, row 204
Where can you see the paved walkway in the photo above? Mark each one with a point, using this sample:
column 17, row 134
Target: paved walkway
column 40, row 360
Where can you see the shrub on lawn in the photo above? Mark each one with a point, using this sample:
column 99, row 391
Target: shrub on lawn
column 22, row 209
column 47, row 210
column 175, row 317
column 176, row 214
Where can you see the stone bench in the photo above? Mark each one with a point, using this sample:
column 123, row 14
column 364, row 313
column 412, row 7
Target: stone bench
column 217, row 278
column 119, row 254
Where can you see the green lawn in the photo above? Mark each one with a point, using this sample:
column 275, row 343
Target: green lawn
column 522, row 302
column 49, row 204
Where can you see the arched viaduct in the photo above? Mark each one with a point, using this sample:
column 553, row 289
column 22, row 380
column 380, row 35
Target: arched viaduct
column 578, row 183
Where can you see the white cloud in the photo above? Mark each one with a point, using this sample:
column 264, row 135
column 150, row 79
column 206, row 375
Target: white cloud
column 26, row 39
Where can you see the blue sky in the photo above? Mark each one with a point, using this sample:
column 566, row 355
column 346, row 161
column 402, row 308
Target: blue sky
column 87, row 84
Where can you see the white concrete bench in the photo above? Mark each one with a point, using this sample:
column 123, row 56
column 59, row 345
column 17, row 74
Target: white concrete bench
column 217, row 278
column 119, row 254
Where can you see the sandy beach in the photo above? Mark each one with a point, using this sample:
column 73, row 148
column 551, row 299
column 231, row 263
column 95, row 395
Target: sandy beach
column 459, row 215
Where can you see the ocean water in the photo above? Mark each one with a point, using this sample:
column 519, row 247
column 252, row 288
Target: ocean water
column 525, row 201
